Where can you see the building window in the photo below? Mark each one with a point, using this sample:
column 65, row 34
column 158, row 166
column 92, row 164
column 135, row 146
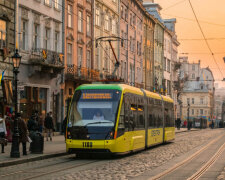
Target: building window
column 131, row 21
column 24, row 34
column 193, row 76
column 164, row 65
column 97, row 17
column 192, row 111
column 193, row 67
column 70, row 10
column 47, row 2
column 80, row 56
column 168, row 87
column 107, row 22
column 88, row 25
column 168, row 65
column 2, row 33
column 126, row 14
column 56, row 4
column 88, row 59
column 80, row 21
column 36, row 36
column 69, row 54
column 70, row 92
column 56, row 40
column 188, row 100
column 201, row 100
column 193, row 100
column 46, row 39
column 121, row 11
column 114, row 26
column 201, row 111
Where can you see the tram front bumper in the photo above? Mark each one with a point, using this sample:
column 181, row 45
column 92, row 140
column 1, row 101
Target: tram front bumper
column 89, row 146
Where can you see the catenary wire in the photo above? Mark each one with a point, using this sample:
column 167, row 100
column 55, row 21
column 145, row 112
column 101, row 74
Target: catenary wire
column 204, row 36
column 173, row 5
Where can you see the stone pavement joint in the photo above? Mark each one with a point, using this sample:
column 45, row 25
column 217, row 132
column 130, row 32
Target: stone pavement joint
column 54, row 148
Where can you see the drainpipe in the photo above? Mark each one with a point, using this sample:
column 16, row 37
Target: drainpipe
column 62, row 73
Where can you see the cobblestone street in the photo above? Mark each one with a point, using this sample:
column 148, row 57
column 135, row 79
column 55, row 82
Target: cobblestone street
column 126, row 167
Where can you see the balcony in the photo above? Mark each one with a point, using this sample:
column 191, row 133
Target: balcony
column 47, row 61
column 74, row 73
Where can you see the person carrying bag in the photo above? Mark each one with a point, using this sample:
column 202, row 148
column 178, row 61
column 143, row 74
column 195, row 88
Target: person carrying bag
column 3, row 134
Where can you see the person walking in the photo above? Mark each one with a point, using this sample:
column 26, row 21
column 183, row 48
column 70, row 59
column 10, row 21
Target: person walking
column 3, row 134
column 32, row 124
column 23, row 132
column 178, row 123
column 48, row 126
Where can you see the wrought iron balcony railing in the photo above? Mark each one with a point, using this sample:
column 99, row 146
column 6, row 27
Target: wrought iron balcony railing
column 46, row 58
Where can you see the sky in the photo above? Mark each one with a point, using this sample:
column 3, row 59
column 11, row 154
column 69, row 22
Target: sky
column 211, row 16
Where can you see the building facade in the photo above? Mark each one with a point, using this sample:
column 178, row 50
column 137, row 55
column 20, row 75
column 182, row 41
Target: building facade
column 78, row 46
column 154, row 9
column 106, row 24
column 40, row 45
column 148, row 43
column 198, row 92
column 7, row 49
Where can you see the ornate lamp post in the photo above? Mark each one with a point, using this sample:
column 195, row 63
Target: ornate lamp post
column 15, row 153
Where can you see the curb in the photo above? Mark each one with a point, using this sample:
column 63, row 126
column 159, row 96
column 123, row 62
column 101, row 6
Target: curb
column 187, row 131
column 41, row 157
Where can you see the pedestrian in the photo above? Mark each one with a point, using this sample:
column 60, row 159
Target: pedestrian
column 178, row 123
column 64, row 126
column 49, row 126
column 23, row 132
column 3, row 134
column 212, row 124
column 32, row 124
column 185, row 123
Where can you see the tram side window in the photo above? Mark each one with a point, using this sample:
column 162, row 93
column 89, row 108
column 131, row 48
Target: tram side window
column 133, row 115
column 140, row 120
column 122, row 117
column 167, row 118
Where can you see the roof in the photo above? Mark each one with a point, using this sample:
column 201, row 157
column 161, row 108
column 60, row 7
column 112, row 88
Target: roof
column 126, row 89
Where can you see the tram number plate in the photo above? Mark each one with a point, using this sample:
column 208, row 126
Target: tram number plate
column 87, row 144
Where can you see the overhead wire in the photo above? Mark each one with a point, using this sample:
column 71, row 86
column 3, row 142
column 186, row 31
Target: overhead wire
column 173, row 5
column 204, row 36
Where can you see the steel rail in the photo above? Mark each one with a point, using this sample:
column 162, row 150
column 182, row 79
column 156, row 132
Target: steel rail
column 207, row 165
column 178, row 165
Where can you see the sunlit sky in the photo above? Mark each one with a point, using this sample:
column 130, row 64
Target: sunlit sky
column 211, row 15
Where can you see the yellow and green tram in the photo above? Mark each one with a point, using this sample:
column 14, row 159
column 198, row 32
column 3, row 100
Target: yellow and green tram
column 117, row 118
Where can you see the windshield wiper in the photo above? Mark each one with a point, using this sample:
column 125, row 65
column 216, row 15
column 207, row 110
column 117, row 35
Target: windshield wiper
column 98, row 122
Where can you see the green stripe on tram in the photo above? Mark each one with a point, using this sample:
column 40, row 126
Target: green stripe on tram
column 100, row 86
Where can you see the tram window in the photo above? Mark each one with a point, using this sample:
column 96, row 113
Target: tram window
column 140, row 120
column 122, row 117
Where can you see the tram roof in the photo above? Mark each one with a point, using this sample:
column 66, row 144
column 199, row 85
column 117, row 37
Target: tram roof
column 125, row 88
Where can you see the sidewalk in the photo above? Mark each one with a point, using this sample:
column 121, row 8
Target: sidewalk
column 185, row 130
column 54, row 148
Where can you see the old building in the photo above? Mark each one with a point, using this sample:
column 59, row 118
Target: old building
column 106, row 24
column 171, row 63
column 154, row 9
column 148, row 47
column 78, row 46
column 132, row 15
column 7, row 48
column 40, row 44
column 198, row 91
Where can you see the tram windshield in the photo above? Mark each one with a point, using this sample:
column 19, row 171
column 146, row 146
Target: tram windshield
column 94, row 108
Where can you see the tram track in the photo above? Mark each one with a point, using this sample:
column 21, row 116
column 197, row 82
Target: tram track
column 202, row 170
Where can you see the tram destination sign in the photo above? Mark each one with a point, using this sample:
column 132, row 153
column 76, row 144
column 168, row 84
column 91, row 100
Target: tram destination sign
column 96, row 96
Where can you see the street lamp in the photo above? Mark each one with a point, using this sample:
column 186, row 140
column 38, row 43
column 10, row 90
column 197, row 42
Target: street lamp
column 15, row 153
column 188, row 111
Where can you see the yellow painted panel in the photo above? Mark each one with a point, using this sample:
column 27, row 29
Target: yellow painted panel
column 155, row 136
column 169, row 133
